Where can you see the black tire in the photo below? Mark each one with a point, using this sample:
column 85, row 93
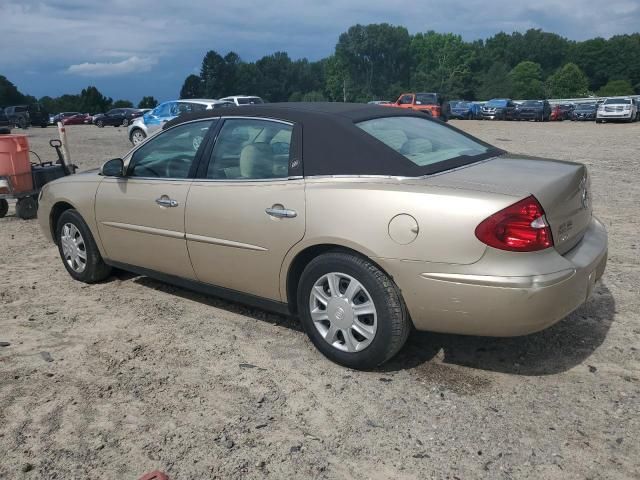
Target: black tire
column 4, row 207
column 95, row 270
column 27, row 208
column 393, row 324
column 125, row 122
column 598, row 120
column 22, row 123
column 100, row 124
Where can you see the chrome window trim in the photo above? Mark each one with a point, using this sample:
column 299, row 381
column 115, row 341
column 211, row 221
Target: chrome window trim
column 247, row 180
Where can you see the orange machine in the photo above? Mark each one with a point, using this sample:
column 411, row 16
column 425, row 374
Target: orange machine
column 22, row 180
column 15, row 165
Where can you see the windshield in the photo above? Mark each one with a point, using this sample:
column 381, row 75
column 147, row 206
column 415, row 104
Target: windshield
column 460, row 104
column 532, row 103
column 497, row 103
column 249, row 100
column 617, row 101
column 426, row 99
column 586, row 106
column 422, row 141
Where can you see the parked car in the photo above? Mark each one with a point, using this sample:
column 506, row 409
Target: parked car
column 538, row 110
column 432, row 104
column 5, row 124
column 239, row 100
column 617, row 109
column 116, row 117
column 379, row 102
column 498, row 109
column 62, row 115
column 584, row 111
column 78, row 119
column 150, row 122
column 562, row 111
column 25, row 115
column 464, row 110
column 332, row 212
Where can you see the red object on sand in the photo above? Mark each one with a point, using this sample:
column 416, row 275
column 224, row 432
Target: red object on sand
column 155, row 475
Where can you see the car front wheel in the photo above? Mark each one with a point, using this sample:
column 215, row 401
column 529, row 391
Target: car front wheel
column 137, row 136
column 351, row 310
column 100, row 124
column 78, row 249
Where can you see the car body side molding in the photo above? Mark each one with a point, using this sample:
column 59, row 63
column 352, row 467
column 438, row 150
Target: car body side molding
column 224, row 243
column 142, row 229
column 207, row 289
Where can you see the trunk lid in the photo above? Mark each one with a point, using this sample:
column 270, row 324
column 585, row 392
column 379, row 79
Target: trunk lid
column 562, row 188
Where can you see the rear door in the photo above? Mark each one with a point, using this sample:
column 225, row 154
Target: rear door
column 247, row 208
column 141, row 216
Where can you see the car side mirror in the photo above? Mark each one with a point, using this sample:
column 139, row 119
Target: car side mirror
column 113, row 168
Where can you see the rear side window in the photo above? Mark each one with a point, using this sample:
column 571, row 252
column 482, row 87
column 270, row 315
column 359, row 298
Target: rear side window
column 422, row 141
column 406, row 100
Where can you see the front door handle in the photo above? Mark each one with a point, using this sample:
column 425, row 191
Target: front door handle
column 165, row 201
column 279, row 211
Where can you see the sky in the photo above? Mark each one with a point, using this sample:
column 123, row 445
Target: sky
column 129, row 49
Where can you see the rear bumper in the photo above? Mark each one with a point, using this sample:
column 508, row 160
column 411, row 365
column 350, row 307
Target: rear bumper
column 466, row 301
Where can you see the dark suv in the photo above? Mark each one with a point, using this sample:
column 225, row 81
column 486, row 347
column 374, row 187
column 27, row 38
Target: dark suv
column 499, row 109
column 5, row 124
column 538, row 110
column 24, row 115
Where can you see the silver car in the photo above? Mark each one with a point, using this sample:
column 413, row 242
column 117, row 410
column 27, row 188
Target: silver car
column 153, row 120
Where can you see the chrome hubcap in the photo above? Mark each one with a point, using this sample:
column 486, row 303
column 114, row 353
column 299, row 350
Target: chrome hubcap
column 343, row 312
column 73, row 248
column 137, row 137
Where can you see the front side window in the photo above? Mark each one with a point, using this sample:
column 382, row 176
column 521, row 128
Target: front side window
column 163, row 110
column 422, row 141
column 171, row 154
column 249, row 149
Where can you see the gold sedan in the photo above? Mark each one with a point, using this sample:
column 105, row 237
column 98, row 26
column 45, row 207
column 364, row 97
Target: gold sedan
column 361, row 220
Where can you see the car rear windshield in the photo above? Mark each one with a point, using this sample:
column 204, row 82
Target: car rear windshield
column 422, row 141
column 617, row 101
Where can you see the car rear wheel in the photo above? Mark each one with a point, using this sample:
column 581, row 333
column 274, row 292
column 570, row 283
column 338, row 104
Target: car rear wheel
column 78, row 249
column 4, row 207
column 27, row 208
column 137, row 136
column 125, row 122
column 351, row 310
column 100, row 124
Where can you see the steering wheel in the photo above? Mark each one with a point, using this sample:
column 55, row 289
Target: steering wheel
column 177, row 163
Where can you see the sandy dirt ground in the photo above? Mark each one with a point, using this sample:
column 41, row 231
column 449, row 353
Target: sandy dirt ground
column 120, row 378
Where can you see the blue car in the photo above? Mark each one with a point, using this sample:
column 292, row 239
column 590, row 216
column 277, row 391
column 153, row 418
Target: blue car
column 464, row 110
column 153, row 121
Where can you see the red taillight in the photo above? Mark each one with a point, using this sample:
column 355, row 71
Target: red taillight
column 520, row 227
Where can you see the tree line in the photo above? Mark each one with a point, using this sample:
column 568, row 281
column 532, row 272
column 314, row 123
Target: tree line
column 379, row 61
column 89, row 100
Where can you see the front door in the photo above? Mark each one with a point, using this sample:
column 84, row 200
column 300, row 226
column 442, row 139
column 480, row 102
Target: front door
column 248, row 210
column 141, row 216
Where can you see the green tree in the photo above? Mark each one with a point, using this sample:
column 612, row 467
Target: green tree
column 371, row 58
column 122, row 104
column 616, row 87
column 213, row 74
column 92, row 101
column 9, row 94
column 275, row 71
column 441, row 63
column 314, row 96
column 192, row 87
column 148, row 102
column 495, row 83
column 568, row 82
column 526, row 81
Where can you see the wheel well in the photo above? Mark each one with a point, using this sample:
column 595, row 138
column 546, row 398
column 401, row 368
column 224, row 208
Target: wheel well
column 133, row 130
column 301, row 260
column 56, row 211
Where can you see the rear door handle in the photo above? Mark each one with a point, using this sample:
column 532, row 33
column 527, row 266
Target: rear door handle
column 279, row 211
column 165, row 201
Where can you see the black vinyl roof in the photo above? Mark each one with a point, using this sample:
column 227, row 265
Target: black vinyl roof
column 331, row 142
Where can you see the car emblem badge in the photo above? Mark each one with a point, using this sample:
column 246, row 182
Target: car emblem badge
column 584, row 199
column 339, row 313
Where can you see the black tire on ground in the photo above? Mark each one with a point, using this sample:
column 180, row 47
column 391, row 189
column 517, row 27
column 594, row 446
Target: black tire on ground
column 100, row 124
column 96, row 270
column 22, row 123
column 393, row 323
column 125, row 122
column 27, row 208
column 43, row 125
column 598, row 120
column 4, row 207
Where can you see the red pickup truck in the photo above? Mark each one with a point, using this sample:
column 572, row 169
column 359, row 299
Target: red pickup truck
column 429, row 103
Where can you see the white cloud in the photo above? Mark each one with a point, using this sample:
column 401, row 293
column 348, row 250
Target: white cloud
column 112, row 69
